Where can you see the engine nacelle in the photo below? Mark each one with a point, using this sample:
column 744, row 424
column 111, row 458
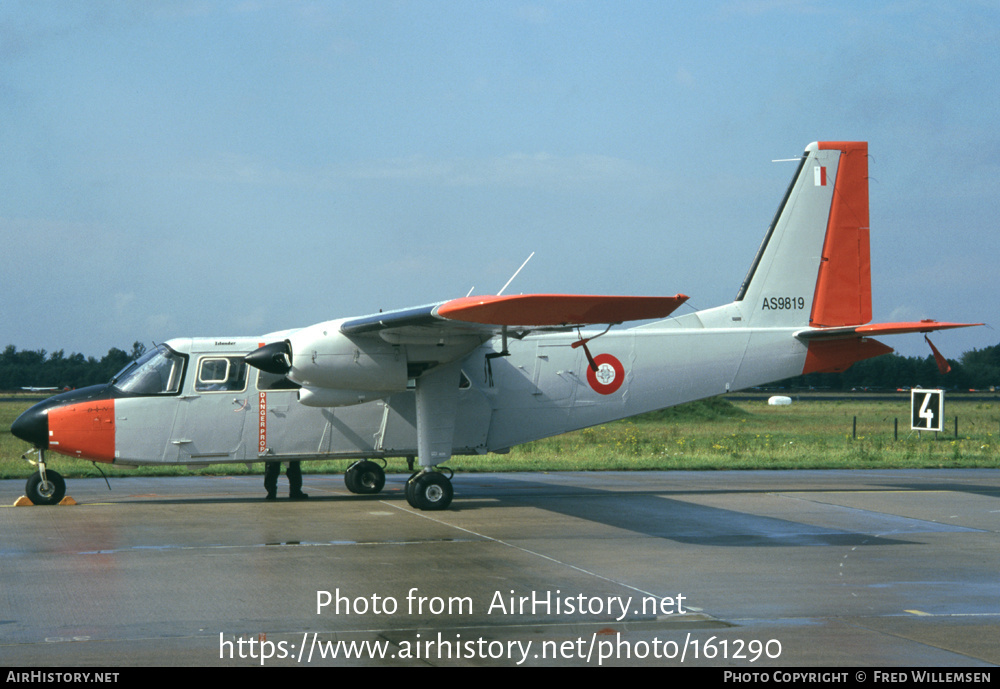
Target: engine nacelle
column 329, row 397
column 322, row 357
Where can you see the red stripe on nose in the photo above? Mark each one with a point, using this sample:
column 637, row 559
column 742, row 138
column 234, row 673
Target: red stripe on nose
column 84, row 430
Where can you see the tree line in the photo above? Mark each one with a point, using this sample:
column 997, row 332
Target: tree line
column 977, row 369
column 38, row 368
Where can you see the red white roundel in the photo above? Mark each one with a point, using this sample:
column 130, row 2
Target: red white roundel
column 608, row 377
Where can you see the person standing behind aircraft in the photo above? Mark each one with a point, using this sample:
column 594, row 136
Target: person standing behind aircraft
column 294, row 474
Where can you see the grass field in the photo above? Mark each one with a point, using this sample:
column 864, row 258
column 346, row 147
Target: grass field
column 709, row 435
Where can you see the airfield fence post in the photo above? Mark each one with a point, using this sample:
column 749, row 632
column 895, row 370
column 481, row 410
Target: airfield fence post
column 854, row 429
column 956, row 426
column 895, row 428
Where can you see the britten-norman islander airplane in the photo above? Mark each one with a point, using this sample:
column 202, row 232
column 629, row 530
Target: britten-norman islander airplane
column 482, row 374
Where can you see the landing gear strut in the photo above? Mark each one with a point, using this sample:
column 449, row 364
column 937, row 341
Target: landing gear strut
column 429, row 490
column 364, row 477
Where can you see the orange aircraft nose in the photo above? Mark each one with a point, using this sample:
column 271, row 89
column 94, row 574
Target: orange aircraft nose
column 85, row 429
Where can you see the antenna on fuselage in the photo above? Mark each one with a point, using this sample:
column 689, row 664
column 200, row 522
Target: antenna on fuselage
column 515, row 274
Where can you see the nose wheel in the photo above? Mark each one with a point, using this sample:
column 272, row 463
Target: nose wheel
column 46, row 488
column 429, row 490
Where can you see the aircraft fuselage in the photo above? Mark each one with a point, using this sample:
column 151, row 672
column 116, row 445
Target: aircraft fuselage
column 221, row 410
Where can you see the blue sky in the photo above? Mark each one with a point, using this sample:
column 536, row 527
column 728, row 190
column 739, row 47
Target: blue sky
column 223, row 168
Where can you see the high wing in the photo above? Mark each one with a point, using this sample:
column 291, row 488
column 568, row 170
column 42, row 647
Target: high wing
column 490, row 314
column 356, row 359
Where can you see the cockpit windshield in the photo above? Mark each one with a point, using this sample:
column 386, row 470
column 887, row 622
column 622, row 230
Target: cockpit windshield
column 158, row 372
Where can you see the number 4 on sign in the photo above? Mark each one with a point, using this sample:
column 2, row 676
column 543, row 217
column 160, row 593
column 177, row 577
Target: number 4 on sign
column 927, row 410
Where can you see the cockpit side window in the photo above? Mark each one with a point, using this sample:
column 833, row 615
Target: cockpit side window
column 221, row 374
column 159, row 372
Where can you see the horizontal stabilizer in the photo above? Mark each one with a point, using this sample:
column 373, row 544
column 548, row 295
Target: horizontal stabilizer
column 835, row 349
column 873, row 329
column 557, row 309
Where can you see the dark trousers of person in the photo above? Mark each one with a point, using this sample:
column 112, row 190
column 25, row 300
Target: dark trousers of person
column 293, row 472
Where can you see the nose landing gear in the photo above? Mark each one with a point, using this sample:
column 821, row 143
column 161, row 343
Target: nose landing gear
column 46, row 487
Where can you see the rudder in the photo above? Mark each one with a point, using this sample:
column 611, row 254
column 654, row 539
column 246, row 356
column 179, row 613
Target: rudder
column 844, row 284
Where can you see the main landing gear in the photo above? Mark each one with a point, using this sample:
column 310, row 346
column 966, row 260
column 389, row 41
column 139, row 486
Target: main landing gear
column 429, row 490
column 364, row 477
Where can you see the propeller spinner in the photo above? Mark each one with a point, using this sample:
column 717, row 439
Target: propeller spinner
column 273, row 358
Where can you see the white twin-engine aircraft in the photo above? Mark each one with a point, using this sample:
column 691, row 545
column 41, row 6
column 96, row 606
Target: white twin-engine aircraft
column 482, row 374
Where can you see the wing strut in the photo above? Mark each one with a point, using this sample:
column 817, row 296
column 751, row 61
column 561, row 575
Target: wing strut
column 490, row 356
column 582, row 342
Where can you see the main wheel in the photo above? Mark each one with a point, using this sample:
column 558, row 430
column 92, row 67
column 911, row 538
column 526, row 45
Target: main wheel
column 408, row 488
column 365, row 478
column 429, row 491
column 47, row 492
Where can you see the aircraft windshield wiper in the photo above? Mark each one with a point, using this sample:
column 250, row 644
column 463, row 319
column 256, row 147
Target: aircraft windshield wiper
column 128, row 367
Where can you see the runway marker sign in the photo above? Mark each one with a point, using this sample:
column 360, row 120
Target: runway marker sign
column 927, row 410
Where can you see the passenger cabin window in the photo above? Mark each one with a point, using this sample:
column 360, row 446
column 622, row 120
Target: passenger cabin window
column 221, row 374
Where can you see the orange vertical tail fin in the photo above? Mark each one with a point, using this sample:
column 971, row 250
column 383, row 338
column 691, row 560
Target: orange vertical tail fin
column 844, row 284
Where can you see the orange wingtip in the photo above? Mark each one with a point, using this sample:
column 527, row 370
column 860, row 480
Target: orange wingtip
column 557, row 309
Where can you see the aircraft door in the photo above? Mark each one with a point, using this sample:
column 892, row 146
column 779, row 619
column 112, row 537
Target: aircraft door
column 209, row 423
column 287, row 428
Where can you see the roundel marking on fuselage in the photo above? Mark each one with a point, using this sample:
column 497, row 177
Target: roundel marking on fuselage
column 608, row 377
